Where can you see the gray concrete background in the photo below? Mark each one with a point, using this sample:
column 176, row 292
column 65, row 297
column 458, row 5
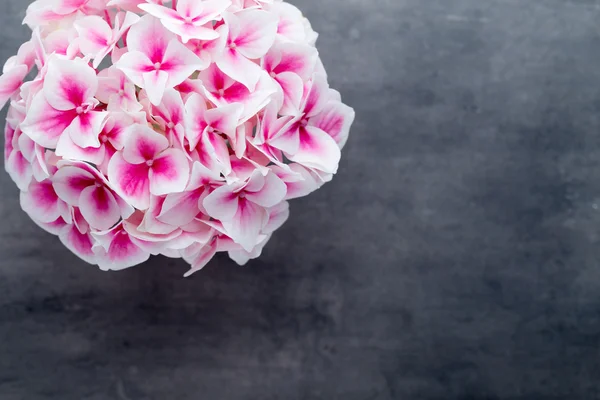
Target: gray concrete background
column 455, row 256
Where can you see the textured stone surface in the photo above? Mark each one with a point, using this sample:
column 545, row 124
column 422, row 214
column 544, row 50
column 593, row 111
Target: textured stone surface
column 455, row 255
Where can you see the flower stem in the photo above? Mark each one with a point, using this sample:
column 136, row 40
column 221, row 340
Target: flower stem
column 107, row 16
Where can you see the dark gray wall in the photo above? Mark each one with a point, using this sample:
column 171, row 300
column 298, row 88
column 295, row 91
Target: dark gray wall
column 455, row 255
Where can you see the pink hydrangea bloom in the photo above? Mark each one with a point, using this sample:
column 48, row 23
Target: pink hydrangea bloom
column 180, row 128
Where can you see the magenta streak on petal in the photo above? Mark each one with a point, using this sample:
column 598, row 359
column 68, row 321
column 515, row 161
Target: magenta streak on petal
column 114, row 133
column 204, row 154
column 236, row 93
column 197, row 18
column 78, row 183
column 306, row 140
column 169, row 65
column 146, row 149
column 121, row 247
column 9, row 134
column 185, row 210
column 218, row 79
column 98, row 39
column 44, row 195
column 292, row 63
column 85, row 121
column 333, row 125
column 80, row 243
column 250, row 218
column 283, row 25
column 21, row 164
column 101, row 199
column 164, row 166
column 73, row 91
column 134, row 179
column 157, row 52
column 57, row 122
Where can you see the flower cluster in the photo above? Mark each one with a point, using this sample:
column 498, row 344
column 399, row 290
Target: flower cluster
column 181, row 128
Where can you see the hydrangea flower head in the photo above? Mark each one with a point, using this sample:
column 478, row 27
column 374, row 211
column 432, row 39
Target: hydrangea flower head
column 169, row 127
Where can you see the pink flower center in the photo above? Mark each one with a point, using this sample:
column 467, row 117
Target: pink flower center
column 103, row 138
column 303, row 122
column 242, row 195
column 221, row 92
column 170, row 125
column 273, row 74
column 98, row 184
column 79, row 110
column 232, row 45
column 210, row 129
column 157, row 65
column 149, row 163
column 121, row 92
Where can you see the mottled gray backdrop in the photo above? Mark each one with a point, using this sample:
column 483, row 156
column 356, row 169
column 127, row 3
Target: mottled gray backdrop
column 454, row 256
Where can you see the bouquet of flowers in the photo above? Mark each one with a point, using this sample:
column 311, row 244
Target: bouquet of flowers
column 181, row 128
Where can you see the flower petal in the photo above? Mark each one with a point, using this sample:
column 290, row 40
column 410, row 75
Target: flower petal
column 256, row 32
column 195, row 123
column 151, row 224
column 317, row 96
column 19, row 169
column 195, row 233
column 84, row 129
column 68, row 150
column 180, row 62
column 155, row 83
column 134, row 64
column 317, row 150
column 69, row 83
column 130, row 181
column 149, row 37
column 42, row 203
column 142, row 144
column 272, row 192
column 297, row 58
column 54, row 227
column 94, row 34
column 10, row 82
column 292, row 86
column 99, row 207
column 80, row 244
column 335, row 119
column 291, row 25
column 44, row 124
column 241, row 256
column 154, row 243
column 299, row 180
column 201, row 259
column 169, row 173
column 202, row 11
column 222, row 203
column 159, row 11
column 225, row 119
column 189, row 31
column 180, row 209
column 278, row 214
column 245, row 227
column 69, row 181
column 118, row 251
column 239, row 68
